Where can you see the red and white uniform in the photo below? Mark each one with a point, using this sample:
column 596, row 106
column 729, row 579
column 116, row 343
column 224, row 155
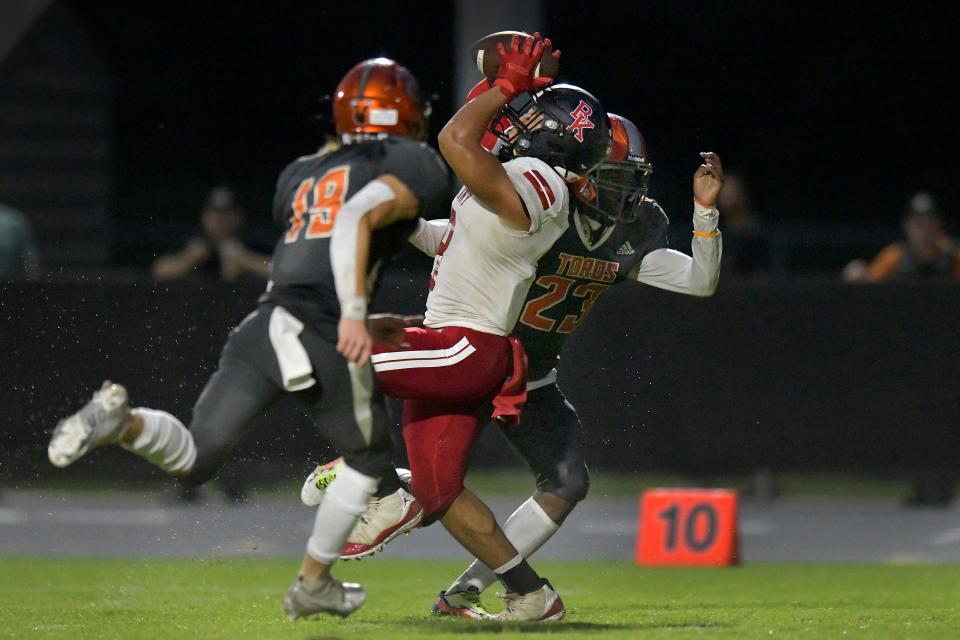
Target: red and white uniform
column 483, row 270
column 462, row 359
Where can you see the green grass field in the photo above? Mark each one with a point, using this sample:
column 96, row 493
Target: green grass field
column 241, row 599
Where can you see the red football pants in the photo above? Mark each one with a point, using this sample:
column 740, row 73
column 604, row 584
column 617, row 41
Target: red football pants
column 447, row 378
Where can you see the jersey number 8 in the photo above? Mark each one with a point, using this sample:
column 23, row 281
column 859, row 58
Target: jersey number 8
column 321, row 199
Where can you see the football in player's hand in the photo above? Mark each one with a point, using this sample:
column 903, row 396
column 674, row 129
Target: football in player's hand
column 487, row 59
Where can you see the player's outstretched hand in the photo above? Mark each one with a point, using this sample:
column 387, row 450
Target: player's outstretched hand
column 516, row 72
column 708, row 179
column 353, row 341
column 540, row 82
column 388, row 328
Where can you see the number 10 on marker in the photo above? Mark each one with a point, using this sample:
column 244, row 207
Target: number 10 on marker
column 688, row 527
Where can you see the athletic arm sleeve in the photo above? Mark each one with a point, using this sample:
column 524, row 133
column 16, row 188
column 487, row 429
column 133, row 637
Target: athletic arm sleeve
column 423, row 171
column 542, row 190
column 428, row 235
column 675, row 271
column 343, row 246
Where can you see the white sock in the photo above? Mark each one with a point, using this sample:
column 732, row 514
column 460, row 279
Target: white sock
column 164, row 441
column 528, row 528
column 346, row 498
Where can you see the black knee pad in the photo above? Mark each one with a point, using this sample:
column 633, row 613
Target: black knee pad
column 570, row 483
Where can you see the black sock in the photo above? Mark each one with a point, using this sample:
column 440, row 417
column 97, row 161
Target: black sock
column 519, row 577
column 389, row 483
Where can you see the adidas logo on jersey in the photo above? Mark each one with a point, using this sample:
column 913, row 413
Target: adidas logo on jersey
column 625, row 249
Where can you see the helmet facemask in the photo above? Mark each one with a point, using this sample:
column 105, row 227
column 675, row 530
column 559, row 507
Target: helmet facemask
column 516, row 127
column 618, row 191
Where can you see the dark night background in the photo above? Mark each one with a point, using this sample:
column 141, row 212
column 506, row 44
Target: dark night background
column 835, row 112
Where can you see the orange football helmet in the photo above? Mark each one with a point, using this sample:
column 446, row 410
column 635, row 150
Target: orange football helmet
column 627, row 143
column 617, row 189
column 377, row 98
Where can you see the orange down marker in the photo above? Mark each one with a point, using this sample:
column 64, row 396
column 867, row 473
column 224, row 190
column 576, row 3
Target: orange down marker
column 688, row 527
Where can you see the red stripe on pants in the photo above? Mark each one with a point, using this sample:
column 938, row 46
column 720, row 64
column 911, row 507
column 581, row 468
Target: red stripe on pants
column 445, row 406
column 477, row 375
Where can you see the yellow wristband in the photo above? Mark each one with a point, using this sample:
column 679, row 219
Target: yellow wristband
column 705, row 234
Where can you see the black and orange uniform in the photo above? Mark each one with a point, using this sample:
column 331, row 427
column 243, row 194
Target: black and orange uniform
column 288, row 344
column 309, row 192
column 571, row 277
column 582, row 264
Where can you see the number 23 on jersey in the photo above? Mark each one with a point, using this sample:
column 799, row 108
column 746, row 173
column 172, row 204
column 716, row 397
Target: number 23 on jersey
column 558, row 288
column 320, row 200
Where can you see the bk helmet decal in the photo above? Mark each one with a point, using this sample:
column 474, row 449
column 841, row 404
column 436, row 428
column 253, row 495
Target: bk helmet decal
column 563, row 125
column 581, row 120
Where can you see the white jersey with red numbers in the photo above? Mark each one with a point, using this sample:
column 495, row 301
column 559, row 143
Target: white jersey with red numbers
column 483, row 269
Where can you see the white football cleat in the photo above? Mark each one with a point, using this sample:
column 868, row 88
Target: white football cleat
column 99, row 422
column 542, row 605
column 332, row 596
column 384, row 520
column 311, row 494
column 312, row 491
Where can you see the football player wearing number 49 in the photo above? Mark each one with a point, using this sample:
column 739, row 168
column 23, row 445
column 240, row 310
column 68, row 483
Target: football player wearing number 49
column 343, row 213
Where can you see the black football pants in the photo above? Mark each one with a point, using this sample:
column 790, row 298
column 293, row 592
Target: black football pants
column 248, row 381
column 548, row 440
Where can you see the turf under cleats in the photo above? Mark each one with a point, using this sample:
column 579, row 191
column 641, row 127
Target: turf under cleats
column 384, row 520
column 99, row 422
column 332, row 596
column 542, row 605
column 464, row 604
column 311, row 494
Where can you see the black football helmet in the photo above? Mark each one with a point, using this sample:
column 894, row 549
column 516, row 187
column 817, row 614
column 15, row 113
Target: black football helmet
column 616, row 190
column 563, row 125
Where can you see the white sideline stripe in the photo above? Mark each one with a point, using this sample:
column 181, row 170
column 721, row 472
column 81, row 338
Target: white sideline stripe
column 119, row 517
column 422, row 354
column 950, row 536
column 608, row 527
column 756, row 527
column 12, row 516
column 93, row 516
column 423, row 364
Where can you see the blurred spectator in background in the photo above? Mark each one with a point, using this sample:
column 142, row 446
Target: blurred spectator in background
column 746, row 247
column 218, row 251
column 927, row 253
column 18, row 255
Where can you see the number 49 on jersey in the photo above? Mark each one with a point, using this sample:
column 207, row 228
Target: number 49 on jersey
column 321, row 201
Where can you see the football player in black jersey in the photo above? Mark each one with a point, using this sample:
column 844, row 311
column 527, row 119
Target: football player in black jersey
column 343, row 212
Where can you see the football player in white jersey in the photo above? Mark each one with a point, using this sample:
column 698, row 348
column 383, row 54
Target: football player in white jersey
column 463, row 359
column 624, row 232
column 616, row 235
